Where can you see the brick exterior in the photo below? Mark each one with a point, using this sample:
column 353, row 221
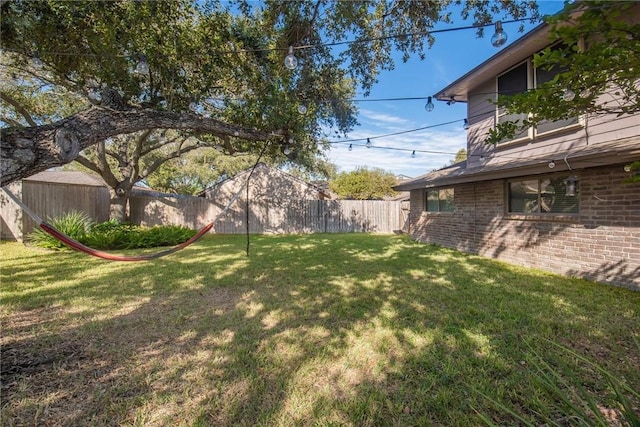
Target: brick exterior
column 601, row 243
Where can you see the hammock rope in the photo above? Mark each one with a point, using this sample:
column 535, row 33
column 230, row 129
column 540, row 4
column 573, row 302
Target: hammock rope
column 74, row 244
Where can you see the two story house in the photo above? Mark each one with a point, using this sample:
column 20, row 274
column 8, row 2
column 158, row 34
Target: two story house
column 552, row 198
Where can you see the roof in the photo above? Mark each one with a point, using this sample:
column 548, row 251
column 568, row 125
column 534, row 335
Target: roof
column 68, row 178
column 532, row 42
column 614, row 152
column 264, row 166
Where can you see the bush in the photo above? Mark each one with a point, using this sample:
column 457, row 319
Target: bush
column 110, row 234
column 74, row 224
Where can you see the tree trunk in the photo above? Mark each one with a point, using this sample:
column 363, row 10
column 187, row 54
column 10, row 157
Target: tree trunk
column 119, row 209
column 26, row 151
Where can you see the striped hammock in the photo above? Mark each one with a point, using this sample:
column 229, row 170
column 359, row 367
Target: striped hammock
column 74, row 244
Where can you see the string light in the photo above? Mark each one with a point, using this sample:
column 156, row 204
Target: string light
column 451, row 100
column 36, row 61
column 311, row 46
column 552, row 164
column 499, row 38
column 142, row 67
column 302, row 109
column 94, row 94
column 413, row 154
column 350, row 147
column 286, row 150
column 290, row 61
column 568, row 95
column 193, row 106
column 429, row 105
column 368, row 144
column 466, row 126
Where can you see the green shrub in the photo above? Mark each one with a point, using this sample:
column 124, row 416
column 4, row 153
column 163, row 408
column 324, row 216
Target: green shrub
column 74, row 224
column 110, row 234
column 166, row 235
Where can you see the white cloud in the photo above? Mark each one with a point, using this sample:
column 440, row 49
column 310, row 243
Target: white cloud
column 380, row 119
column 434, row 149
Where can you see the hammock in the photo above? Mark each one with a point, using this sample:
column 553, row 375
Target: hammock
column 74, row 244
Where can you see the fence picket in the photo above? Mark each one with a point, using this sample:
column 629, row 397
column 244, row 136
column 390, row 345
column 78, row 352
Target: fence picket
column 298, row 216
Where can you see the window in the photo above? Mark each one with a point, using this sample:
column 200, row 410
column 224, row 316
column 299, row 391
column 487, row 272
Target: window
column 510, row 83
column 547, row 195
column 440, row 200
column 543, row 76
column 519, row 79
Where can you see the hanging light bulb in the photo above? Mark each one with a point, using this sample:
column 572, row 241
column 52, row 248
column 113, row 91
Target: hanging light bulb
column 236, row 133
column 36, row 61
column 368, row 144
column 286, row 150
column 451, row 100
column 290, row 61
column 568, row 95
column 499, row 38
column 94, row 94
column 552, row 164
column 193, row 106
column 302, row 109
column 466, row 126
column 142, row 67
column 413, row 154
column 350, row 147
column 429, row 105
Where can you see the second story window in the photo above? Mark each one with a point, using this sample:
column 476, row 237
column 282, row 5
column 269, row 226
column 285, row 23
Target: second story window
column 519, row 79
column 514, row 81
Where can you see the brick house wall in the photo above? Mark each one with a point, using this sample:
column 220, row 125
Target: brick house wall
column 601, row 243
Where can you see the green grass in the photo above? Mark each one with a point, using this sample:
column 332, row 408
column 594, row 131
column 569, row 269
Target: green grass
column 326, row 330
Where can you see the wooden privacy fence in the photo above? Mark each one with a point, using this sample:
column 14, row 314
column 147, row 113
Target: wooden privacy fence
column 265, row 216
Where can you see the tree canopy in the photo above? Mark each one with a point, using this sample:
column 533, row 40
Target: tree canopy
column 364, row 184
column 214, row 69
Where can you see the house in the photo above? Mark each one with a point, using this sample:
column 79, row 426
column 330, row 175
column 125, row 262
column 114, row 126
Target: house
column 266, row 183
column 552, row 198
column 51, row 194
column 276, row 199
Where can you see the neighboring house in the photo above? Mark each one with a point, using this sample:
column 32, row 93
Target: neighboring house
column 553, row 198
column 278, row 202
column 51, row 194
column 266, row 184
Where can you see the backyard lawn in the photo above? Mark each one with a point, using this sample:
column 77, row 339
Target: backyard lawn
column 327, row 330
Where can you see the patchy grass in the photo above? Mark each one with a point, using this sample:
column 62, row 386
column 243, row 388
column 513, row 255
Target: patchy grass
column 355, row 329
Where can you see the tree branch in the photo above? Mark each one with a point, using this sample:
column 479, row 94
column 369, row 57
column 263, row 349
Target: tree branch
column 175, row 154
column 19, row 108
column 10, row 121
column 26, row 151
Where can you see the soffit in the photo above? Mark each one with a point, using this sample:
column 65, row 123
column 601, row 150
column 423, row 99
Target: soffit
column 532, row 42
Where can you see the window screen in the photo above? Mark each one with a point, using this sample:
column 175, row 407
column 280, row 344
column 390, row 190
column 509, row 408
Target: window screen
column 433, row 204
column 510, row 83
column 544, row 75
column 513, row 81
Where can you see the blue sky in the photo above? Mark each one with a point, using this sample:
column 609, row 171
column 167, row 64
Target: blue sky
column 453, row 54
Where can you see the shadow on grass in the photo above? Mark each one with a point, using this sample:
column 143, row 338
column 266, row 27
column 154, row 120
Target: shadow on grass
column 318, row 329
